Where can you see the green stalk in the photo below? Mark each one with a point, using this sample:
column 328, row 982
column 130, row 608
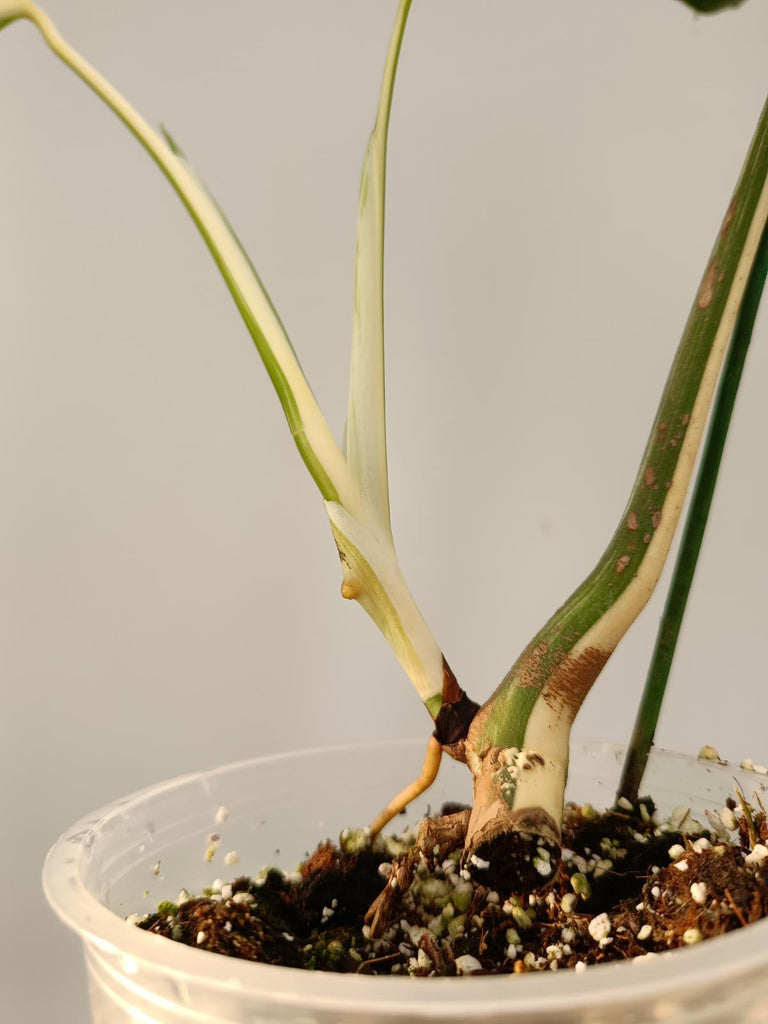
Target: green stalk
column 518, row 743
column 695, row 525
column 711, row 6
column 596, row 616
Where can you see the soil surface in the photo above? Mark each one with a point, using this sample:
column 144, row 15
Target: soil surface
column 627, row 886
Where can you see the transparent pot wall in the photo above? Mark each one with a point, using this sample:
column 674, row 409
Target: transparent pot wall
column 105, row 868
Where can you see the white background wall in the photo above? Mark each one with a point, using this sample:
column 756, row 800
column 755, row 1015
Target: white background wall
column 168, row 585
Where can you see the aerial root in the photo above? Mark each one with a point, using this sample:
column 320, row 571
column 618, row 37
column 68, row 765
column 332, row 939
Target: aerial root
column 428, row 775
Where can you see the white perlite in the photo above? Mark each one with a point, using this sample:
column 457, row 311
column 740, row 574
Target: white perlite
column 600, row 927
column 709, row 753
column 678, row 818
column 568, row 902
column 699, row 893
column 757, row 855
column 701, row 845
column 467, row 964
column 691, row 936
column 644, row 933
column 728, row 819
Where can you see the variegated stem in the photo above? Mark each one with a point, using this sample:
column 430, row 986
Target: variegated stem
column 694, row 528
column 311, row 433
column 531, row 713
column 355, row 486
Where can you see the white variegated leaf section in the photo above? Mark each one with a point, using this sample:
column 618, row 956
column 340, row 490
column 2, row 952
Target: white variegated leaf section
column 354, row 482
column 366, row 441
column 373, row 578
column 307, row 422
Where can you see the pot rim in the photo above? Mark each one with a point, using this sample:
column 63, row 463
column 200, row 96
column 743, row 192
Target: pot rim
column 676, row 970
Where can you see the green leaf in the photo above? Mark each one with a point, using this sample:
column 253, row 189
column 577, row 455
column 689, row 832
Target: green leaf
column 711, row 6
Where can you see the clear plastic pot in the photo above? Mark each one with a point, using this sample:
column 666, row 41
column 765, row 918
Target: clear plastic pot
column 99, row 870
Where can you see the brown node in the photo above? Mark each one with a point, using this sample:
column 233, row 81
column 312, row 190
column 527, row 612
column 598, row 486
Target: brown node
column 456, row 713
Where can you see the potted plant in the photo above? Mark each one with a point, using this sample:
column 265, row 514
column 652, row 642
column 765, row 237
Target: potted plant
column 533, row 709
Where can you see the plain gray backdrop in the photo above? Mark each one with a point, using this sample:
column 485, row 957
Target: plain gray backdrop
column 168, row 582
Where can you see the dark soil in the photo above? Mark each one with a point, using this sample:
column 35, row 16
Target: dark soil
column 626, row 886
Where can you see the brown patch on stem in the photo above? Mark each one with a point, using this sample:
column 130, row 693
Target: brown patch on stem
column 728, row 218
column 707, row 289
column 655, row 517
column 532, row 667
column 647, row 539
column 622, row 563
column 572, row 680
column 632, row 521
column 649, row 476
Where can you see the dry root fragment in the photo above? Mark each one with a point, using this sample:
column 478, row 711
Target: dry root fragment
column 436, row 839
